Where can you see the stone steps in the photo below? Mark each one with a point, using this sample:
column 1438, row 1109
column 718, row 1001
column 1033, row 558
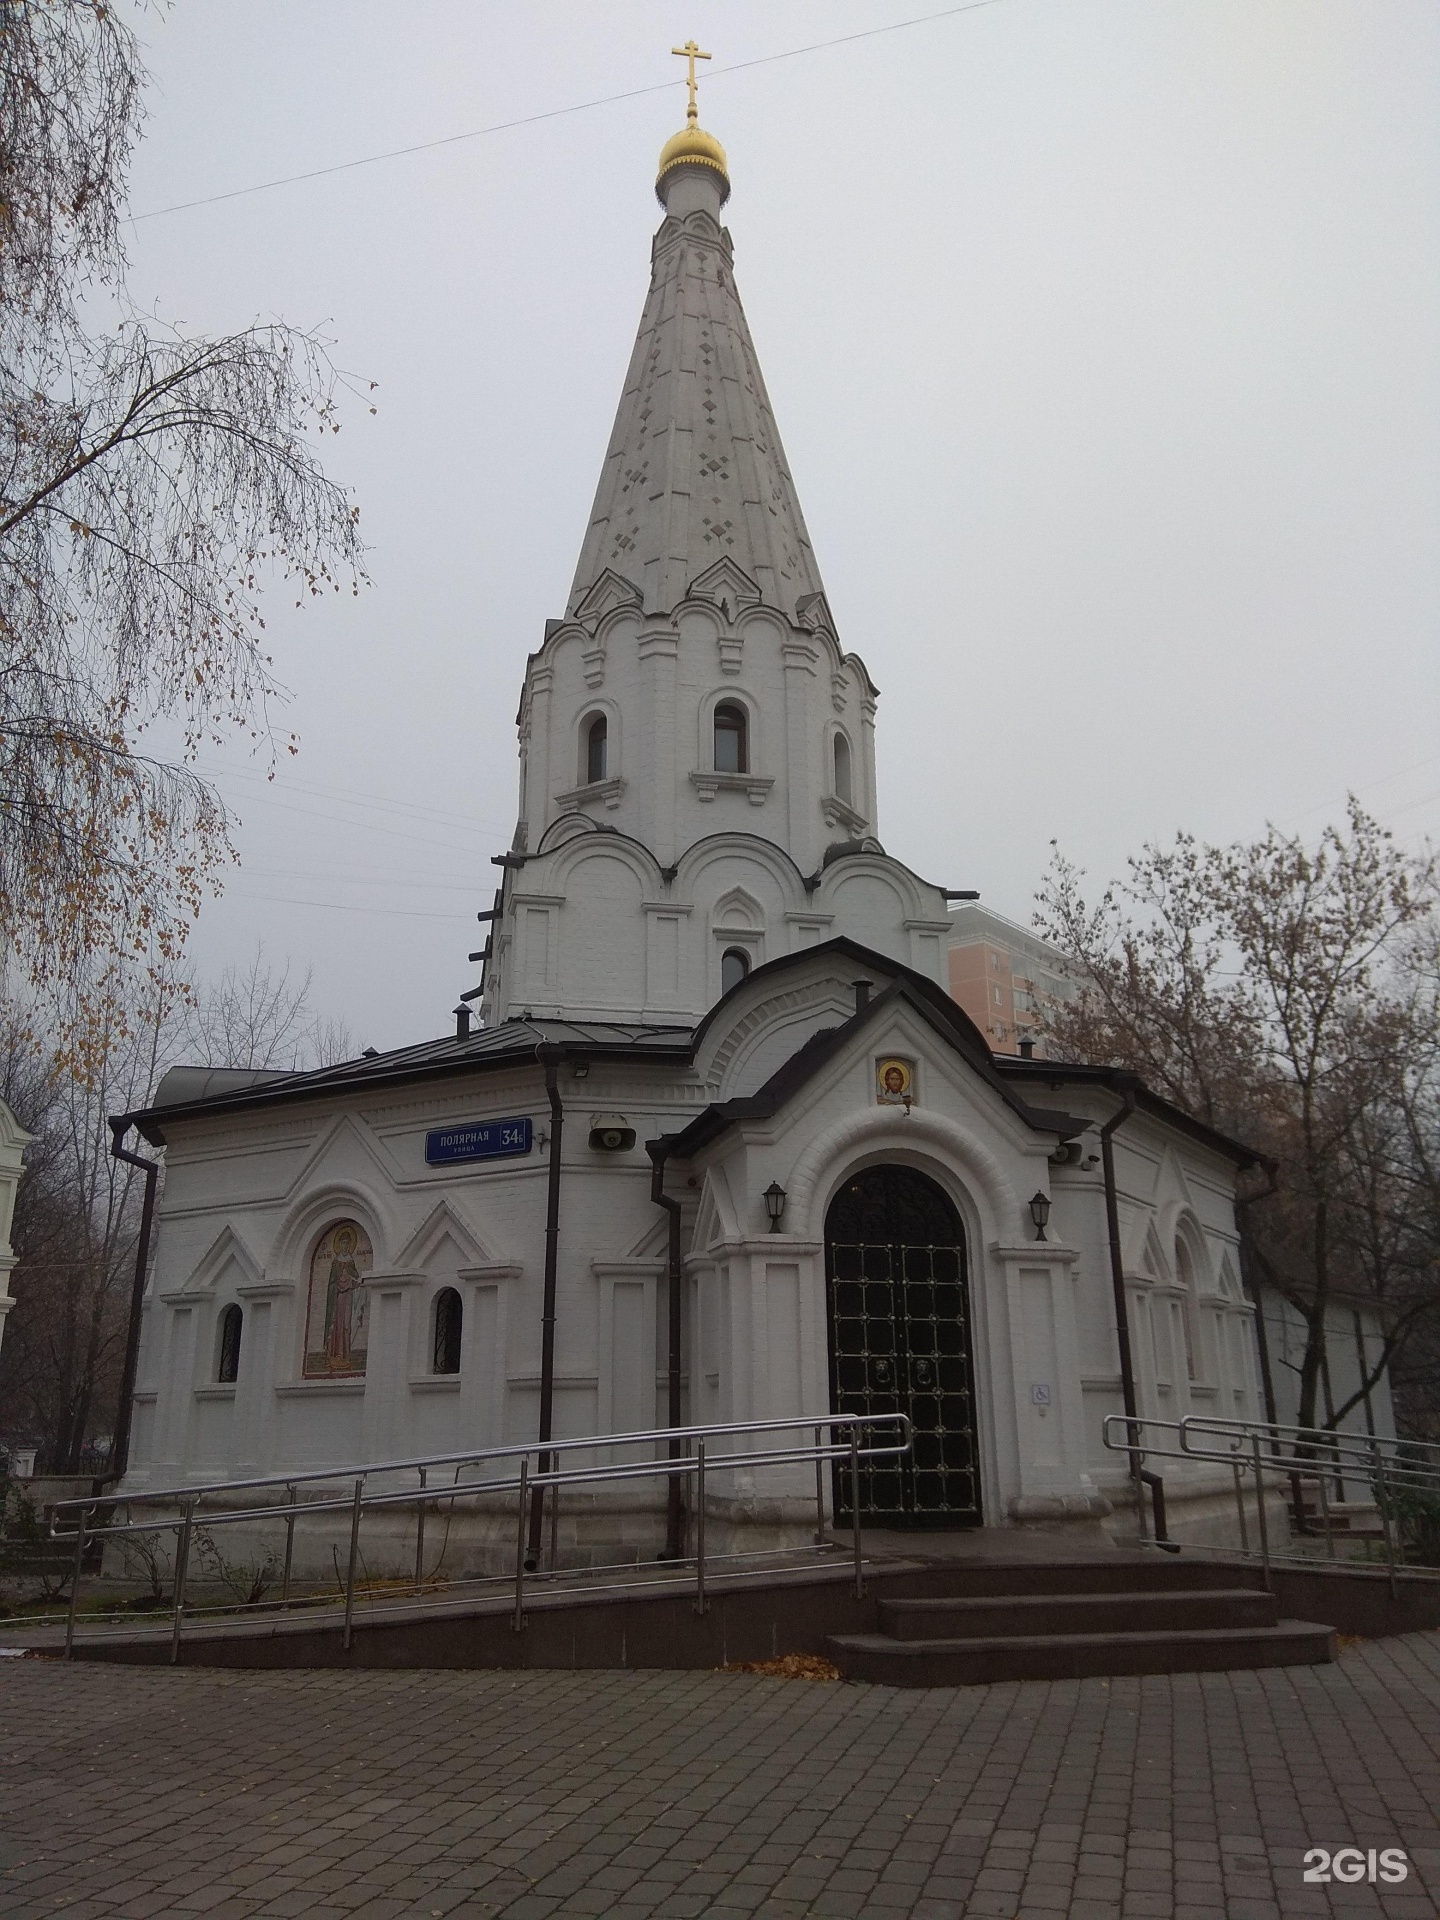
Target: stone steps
column 1031, row 1614
column 1076, row 1656
column 1059, row 1621
column 1111, row 1572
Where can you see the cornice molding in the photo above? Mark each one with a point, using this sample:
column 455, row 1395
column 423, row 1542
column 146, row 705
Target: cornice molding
column 756, row 785
column 352, row 1384
column 836, row 812
column 610, row 791
column 1036, row 1252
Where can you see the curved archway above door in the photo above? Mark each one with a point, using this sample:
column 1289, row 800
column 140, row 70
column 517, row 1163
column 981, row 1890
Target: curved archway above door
column 889, row 1129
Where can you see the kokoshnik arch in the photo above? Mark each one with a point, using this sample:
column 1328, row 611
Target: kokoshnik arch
column 703, row 961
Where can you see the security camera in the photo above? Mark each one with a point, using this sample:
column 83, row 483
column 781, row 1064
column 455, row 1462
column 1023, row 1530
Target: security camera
column 611, row 1133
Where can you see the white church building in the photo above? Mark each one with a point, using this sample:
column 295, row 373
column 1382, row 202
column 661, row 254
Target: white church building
column 716, row 1081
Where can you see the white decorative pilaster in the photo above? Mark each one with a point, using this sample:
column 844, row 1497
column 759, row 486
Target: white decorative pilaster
column 659, row 652
column 178, row 1375
column 387, row 1363
column 1045, row 1380
column 803, row 782
column 267, row 1307
column 627, row 1344
column 870, row 803
column 770, row 1332
column 540, row 773
column 484, row 1336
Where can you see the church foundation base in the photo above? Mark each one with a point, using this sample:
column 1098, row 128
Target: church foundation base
column 1201, row 1516
column 1070, row 1513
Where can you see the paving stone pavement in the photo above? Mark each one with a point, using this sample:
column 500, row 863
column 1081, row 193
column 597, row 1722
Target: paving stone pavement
column 129, row 1791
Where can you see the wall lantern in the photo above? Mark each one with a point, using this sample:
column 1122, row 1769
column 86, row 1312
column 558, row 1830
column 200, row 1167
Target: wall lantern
column 1040, row 1213
column 775, row 1197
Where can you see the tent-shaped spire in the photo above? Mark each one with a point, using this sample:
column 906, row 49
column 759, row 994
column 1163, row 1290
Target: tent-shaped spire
column 695, row 472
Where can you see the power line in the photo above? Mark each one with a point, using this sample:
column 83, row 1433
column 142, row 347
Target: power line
column 270, row 793
column 480, row 885
column 556, row 113
column 1369, row 786
column 458, row 917
column 1423, row 801
column 339, row 820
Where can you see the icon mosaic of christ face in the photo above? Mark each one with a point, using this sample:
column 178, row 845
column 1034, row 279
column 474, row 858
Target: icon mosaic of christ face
column 894, row 1082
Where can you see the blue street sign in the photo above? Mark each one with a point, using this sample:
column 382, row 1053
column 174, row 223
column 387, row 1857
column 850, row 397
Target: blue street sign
column 489, row 1140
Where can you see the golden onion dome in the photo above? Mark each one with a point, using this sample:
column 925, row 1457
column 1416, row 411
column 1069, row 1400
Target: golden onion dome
column 693, row 147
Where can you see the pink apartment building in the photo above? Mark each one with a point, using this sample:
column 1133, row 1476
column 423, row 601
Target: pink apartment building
column 1003, row 975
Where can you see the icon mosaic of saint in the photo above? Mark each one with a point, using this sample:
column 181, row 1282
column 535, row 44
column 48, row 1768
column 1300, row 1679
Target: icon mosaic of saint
column 336, row 1329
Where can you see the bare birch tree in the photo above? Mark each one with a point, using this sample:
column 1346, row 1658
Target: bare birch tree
column 151, row 482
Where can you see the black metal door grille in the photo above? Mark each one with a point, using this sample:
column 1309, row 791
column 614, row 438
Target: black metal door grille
column 900, row 1343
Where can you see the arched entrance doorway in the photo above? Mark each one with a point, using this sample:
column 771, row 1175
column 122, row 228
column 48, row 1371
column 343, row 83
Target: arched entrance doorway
column 898, row 1302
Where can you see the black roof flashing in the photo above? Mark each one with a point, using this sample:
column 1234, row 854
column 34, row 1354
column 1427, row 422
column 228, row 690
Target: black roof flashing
column 208, row 1092
column 1057, row 1074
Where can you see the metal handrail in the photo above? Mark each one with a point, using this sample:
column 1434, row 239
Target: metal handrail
column 1289, row 1453
column 193, row 1489
column 1300, row 1449
column 890, row 1436
column 643, row 1469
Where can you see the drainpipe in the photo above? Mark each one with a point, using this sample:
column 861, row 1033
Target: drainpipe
column 659, row 1151
column 120, row 1450
column 1252, row 1287
column 1122, row 1320
column 549, row 1057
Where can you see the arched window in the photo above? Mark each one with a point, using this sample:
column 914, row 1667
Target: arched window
column 843, row 787
column 597, row 741
column 337, row 1326
column 227, row 1370
column 448, row 1311
column 734, row 965
column 732, row 745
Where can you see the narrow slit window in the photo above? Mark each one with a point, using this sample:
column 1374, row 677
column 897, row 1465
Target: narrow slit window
column 597, row 749
column 843, row 787
column 448, row 1312
column 1185, row 1272
column 732, row 746
column 734, row 965
column 227, row 1371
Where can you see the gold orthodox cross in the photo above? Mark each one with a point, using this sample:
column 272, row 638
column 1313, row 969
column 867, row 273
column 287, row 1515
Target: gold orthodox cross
column 691, row 53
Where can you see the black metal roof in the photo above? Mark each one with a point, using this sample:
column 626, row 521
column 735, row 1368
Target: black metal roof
column 195, row 1095
column 1057, row 1074
column 199, row 1092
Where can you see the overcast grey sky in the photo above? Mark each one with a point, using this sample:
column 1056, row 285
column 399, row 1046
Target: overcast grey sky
column 1103, row 335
